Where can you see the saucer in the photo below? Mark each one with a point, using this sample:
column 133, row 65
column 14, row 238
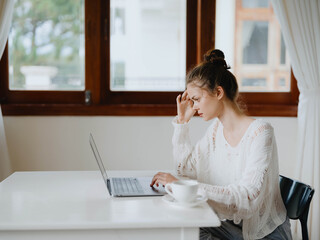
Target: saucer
column 170, row 200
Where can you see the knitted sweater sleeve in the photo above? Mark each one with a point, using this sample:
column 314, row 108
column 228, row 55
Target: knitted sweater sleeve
column 244, row 198
column 186, row 156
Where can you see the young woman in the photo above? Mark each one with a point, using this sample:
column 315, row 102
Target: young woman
column 236, row 162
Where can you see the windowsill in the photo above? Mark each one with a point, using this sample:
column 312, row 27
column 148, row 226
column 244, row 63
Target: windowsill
column 129, row 110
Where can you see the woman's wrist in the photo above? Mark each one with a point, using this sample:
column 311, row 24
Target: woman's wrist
column 181, row 120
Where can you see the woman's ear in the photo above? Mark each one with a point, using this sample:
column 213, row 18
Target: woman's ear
column 219, row 92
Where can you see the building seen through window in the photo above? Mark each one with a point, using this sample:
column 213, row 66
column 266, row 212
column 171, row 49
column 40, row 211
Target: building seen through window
column 254, row 46
column 130, row 57
column 148, row 45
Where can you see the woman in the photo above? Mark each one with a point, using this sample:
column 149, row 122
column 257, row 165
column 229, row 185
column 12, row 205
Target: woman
column 236, row 162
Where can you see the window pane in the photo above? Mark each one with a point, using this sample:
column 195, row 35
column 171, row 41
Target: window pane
column 282, row 82
column 250, row 59
column 255, row 3
column 254, row 82
column 46, row 45
column 283, row 51
column 255, row 42
column 148, row 45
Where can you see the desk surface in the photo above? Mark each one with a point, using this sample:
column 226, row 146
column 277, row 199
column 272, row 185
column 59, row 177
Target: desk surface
column 80, row 200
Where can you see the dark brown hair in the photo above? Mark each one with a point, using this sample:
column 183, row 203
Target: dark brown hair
column 213, row 72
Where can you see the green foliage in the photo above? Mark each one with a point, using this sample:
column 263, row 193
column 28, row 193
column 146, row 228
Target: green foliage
column 46, row 32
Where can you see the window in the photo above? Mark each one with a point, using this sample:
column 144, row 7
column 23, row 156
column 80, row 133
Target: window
column 46, row 46
column 44, row 61
column 261, row 60
column 252, row 36
column 143, row 34
column 116, row 57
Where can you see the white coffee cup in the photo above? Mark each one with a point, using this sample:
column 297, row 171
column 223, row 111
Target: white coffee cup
column 183, row 190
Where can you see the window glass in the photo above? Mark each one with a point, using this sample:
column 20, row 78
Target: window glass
column 282, row 82
column 283, row 51
column 148, row 45
column 255, row 3
column 254, row 82
column 46, row 45
column 250, row 35
column 255, row 42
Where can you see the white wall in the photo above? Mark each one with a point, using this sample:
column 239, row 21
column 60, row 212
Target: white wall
column 62, row 143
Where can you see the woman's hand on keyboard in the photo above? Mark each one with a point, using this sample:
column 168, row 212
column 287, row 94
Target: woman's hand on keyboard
column 162, row 178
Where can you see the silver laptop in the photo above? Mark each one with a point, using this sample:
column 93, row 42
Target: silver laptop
column 125, row 186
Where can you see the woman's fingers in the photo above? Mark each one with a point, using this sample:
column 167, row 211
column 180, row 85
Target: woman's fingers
column 161, row 181
column 162, row 178
column 152, row 182
column 155, row 179
column 178, row 99
column 158, row 182
column 184, row 96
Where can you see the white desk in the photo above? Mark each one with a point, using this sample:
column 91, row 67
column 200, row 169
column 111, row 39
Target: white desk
column 76, row 205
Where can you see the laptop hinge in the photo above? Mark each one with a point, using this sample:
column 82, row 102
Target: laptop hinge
column 109, row 187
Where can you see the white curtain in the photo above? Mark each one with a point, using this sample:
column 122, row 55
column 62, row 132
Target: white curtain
column 6, row 10
column 300, row 21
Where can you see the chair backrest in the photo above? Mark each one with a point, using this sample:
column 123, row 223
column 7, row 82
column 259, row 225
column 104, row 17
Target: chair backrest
column 297, row 197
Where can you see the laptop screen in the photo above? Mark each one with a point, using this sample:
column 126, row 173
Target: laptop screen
column 98, row 158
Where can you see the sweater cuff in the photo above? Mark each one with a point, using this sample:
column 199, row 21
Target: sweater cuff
column 201, row 189
column 175, row 123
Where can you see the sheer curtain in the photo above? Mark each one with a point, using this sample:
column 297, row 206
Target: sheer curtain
column 299, row 22
column 6, row 10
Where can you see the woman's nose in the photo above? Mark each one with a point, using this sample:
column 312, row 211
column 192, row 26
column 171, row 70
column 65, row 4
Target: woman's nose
column 195, row 106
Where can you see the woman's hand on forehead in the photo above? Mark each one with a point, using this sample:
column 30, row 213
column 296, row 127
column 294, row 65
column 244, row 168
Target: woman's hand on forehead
column 184, row 107
column 185, row 96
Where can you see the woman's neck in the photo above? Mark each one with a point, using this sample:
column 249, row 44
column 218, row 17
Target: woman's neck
column 231, row 117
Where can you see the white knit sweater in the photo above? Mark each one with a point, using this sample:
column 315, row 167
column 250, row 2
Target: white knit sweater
column 242, row 182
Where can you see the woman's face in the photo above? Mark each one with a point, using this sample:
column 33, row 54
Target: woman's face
column 208, row 105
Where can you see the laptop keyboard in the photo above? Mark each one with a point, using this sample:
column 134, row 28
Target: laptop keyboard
column 127, row 185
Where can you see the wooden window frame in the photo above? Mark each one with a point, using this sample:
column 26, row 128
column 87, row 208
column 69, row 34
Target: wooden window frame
column 104, row 102
column 264, row 103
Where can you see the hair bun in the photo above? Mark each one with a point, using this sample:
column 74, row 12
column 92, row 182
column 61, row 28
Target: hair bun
column 216, row 57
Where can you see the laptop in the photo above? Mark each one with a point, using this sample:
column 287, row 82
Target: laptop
column 125, row 186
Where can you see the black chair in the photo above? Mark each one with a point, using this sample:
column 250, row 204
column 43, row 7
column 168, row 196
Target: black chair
column 297, row 197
